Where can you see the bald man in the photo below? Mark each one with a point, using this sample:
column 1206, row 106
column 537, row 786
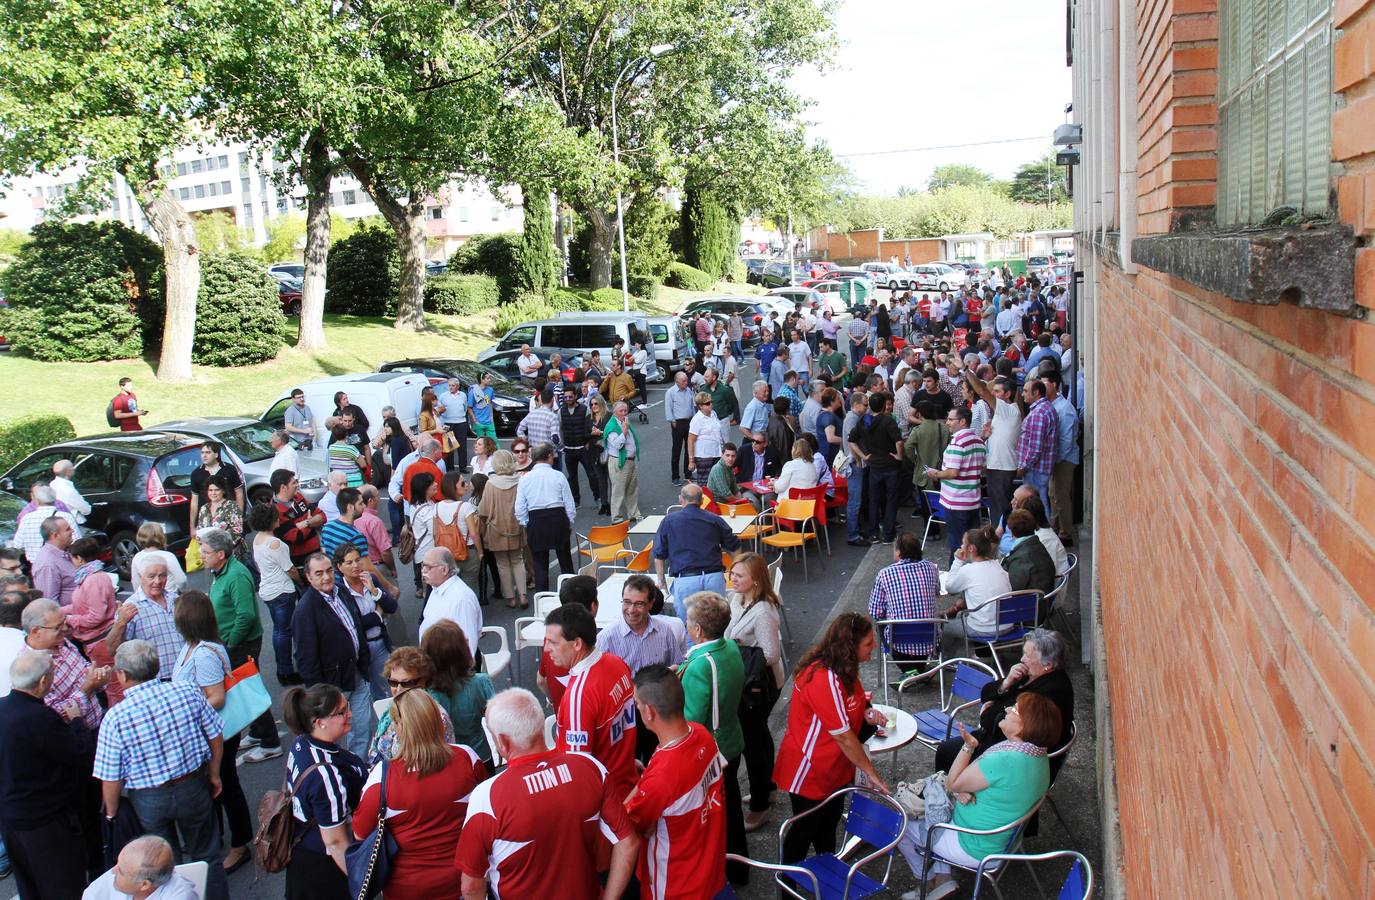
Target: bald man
column 145, row 870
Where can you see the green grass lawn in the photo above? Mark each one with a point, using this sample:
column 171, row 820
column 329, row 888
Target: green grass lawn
column 80, row 391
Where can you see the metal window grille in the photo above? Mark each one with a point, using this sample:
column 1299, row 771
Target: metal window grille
column 1274, row 108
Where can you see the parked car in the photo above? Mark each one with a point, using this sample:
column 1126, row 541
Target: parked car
column 504, row 364
column 791, row 296
column 247, row 445
column 289, row 269
column 369, row 391
column 930, row 277
column 880, row 272
column 582, row 331
column 510, row 401
column 752, row 311
column 129, row 478
column 754, row 268
column 970, row 269
column 10, row 505
column 435, row 267
column 777, row 274
column 1039, row 266
column 671, row 345
column 289, row 292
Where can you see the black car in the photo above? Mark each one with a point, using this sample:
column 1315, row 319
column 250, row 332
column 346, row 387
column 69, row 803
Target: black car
column 775, row 274
column 128, row 479
column 752, row 312
column 754, row 267
column 510, row 401
column 504, row 363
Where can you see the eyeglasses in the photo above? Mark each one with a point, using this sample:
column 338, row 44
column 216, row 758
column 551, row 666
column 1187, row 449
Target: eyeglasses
column 635, row 604
column 338, row 713
column 408, row 683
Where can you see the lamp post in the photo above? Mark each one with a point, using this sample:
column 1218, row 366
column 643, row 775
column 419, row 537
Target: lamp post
column 654, row 52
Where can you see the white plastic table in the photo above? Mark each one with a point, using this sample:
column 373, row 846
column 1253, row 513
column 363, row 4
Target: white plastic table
column 649, row 525
column 903, row 732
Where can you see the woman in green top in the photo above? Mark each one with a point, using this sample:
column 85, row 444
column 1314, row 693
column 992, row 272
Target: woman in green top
column 999, row 788
column 713, row 676
column 406, row 668
column 460, row 689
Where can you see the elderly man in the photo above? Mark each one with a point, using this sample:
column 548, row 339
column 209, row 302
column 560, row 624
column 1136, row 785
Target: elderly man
column 754, row 421
column 161, row 748
column 907, row 589
column 428, row 457
column 811, row 408
column 147, row 616
column 53, row 571
column 679, row 406
column 689, row 544
column 517, row 833
column 450, row 598
column 67, row 492
column 75, row 679
column 29, row 535
column 454, row 400
column 284, row 455
column 329, row 502
column 42, row 760
column 145, row 870
column 529, row 364
column 374, row 530
column 331, row 645
column 622, row 453
column 545, row 509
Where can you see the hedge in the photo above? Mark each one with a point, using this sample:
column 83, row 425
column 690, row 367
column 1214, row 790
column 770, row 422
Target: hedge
column 461, row 295
column 681, row 275
column 497, row 255
column 239, row 317
column 20, row 437
column 363, row 273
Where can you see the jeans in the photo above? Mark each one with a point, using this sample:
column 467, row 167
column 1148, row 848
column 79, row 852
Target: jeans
column 360, row 701
column 957, row 522
column 883, row 509
column 999, row 493
column 458, row 460
column 856, row 354
column 737, row 349
column 684, row 586
column 184, row 815
column 395, row 514
column 282, row 608
column 1042, row 485
column 855, row 502
column 378, row 648
column 586, row 457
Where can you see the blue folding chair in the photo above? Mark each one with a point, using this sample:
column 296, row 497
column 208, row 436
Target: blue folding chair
column 1013, row 830
column 933, row 503
column 1016, row 614
column 875, row 820
column 906, row 631
column 966, row 689
column 1078, row 884
column 728, row 892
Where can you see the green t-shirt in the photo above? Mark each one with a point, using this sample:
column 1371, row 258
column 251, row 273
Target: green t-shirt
column 1016, row 781
column 832, row 363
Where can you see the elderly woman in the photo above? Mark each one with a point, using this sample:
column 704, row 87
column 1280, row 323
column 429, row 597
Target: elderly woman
column 501, row 534
column 713, row 676
column 1009, row 778
column 406, row 668
column 152, row 543
column 704, row 439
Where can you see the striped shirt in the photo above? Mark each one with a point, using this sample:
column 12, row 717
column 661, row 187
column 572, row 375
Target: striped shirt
column 661, row 643
column 69, row 671
column 337, row 532
column 160, row 731
column 965, row 454
column 541, row 426
column 344, row 457
column 1038, row 443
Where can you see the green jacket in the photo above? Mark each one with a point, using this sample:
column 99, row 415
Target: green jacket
column 925, row 446
column 236, row 604
column 728, row 683
column 724, row 402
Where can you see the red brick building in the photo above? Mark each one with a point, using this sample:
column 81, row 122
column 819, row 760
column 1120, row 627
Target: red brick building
column 1224, row 204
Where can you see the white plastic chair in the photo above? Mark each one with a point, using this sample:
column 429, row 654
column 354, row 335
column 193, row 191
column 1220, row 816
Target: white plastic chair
column 496, row 661
column 380, row 706
column 197, row 873
column 545, row 602
column 551, row 725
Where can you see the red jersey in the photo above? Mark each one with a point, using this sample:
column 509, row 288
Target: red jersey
column 924, row 307
column 678, row 805
column 597, row 716
column 555, row 678
column 127, row 402
column 810, row 762
column 533, row 830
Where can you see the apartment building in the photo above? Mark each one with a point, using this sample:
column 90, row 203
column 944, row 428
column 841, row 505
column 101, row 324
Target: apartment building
column 254, row 188
column 1224, row 208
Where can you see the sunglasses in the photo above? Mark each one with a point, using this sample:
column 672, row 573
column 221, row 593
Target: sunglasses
column 408, row 683
column 521, row 450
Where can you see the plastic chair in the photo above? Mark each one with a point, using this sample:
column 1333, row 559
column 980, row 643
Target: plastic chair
column 1055, row 600
column 968, row 677
column 842, row 493
column 495, row 662
column 497, row 758
column 1078, row 883
column 380, row 706
column 195, row 872
column 603, row 542
column 1019, row 609
column 1013, row 830
column 793, row 512
column 906, row 631
column 753, row 531
column 544, row 602
column 937, row 519
column 818, row 497
column 1057, row 754
column 874, row 820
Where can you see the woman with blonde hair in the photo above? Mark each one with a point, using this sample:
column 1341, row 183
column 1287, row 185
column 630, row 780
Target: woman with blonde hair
column 427, row 784
column 755, row 626
column 502, row 536
column 798, row 472
column 152, row 542
column 406, row 669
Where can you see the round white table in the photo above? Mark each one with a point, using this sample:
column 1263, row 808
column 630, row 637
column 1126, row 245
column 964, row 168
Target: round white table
column 903, row 732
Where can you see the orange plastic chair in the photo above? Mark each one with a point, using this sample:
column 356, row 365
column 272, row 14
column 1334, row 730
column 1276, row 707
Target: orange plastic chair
column 638, row 562
column 605, row 542
column 799, row 513
column 754, row 530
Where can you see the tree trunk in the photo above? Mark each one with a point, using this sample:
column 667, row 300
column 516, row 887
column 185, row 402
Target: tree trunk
column 181, row 258
column 600, row 246
column 410, row 239
column 310, row 333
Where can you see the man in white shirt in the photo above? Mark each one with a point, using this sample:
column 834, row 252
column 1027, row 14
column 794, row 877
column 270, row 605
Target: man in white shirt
column 28, row 536
column 545, row 508
column 11, row 637
column 1009, row 320
column 449, row 598
column 528, row 363
column 144, row 870
column 329, row 503
column 66, row 491
column 1000, row 436
column 800, row 356
column 284, row 455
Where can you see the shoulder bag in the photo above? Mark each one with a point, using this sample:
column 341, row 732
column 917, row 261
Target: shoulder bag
column 760, row 691
column 276, row 839
column 405, row 544
column 370, row 861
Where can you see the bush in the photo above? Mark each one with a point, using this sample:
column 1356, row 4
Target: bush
column 77, row 292
column 461, row 295
column 738, row 273
column 523, row 309
column 497, row 255
column 646, row 287
column 21, row 437
column 239, row 317
column 363, row 273
column 681, row 275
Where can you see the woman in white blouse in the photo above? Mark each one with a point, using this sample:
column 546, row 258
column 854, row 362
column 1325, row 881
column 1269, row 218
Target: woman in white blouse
column 481, row 461
column 755, row 622
column 976, row 573
column 455, row 509
column 704, row 439
column 278, row 587
column 798, row 472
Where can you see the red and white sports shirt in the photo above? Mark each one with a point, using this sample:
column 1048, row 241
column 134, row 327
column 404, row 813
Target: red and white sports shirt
column 533, row 831
column 597, row 716
column 678, row 805
column 810, row 762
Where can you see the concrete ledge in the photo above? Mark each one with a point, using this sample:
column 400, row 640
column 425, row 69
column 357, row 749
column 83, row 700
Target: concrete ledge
column 1314, row 267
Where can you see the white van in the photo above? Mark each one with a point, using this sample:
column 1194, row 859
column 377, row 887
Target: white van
column 369, row 391
column 574, row 331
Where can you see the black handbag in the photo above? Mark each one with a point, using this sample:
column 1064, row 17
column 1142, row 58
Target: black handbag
column 370, row 860
column 760, row 692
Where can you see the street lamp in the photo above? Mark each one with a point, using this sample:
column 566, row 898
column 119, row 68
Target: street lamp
column 654, row 52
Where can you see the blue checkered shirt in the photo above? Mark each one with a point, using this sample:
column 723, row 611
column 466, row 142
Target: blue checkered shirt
column 161, row 730
column 906, row 590
column 154, row 624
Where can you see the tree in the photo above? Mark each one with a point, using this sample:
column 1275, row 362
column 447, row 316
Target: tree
column 217, row 232
column 1040, row 181
column 537, row 263
column 111, row 88
column 285, row 235
column 710, row 231
column 952, row 174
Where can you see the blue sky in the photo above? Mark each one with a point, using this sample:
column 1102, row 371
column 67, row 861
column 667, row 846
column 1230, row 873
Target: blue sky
column 922, row 73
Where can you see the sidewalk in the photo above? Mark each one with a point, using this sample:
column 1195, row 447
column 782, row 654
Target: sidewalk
column 1075, row 791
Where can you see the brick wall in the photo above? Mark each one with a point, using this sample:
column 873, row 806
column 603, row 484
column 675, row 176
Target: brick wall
column 1235, row 508
column 921, row 251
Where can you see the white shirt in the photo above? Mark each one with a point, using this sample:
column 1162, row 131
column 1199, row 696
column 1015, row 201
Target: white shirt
column 1008, row 320
column 707, row 427
column 455, row 601
column 287, row 458
column 1002, row 443
column 979, row 582
column 11, row 645
column 329, row 505
column 29, row 538
column 644, row 362
column 1055, row 548
column 68, row 494
column 103, row 888
column 529, row 364
column 797, row 473
column 176, row 578
column 800, row 358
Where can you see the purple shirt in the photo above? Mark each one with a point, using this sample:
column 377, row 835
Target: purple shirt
column 54, row 574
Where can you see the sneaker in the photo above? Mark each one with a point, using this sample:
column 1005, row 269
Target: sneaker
column 261, row 754
column 248, row 743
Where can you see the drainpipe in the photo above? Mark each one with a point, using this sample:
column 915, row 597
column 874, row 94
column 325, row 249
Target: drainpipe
column 1126, row 132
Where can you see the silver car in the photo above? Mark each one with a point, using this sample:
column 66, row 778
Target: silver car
column 247, row 445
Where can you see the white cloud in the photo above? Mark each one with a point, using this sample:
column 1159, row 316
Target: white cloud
column 925, row 73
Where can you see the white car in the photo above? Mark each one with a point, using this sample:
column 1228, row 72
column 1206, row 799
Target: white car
column 932, row 277
column 881, row 273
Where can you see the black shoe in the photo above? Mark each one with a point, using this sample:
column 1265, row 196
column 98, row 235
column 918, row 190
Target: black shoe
column 858, row 542
column 604, row 511
column 887, row 539
column 289, row 679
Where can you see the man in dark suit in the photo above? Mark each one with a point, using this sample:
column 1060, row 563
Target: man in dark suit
column 756, row 460
column 44, row 761
column 331, row 645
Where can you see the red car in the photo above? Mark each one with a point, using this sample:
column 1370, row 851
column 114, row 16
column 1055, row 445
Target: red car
column 816, row 268
column 289, row 292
